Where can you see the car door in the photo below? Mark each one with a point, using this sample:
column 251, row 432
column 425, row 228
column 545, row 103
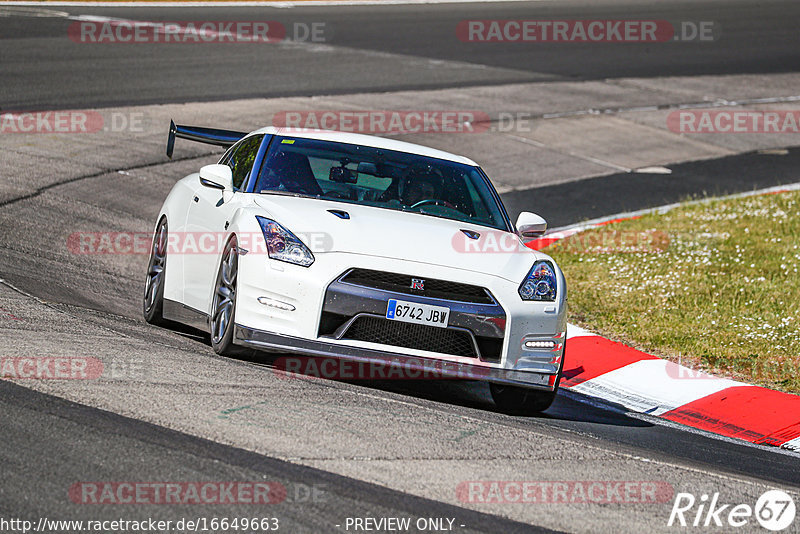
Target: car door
column 209, row 214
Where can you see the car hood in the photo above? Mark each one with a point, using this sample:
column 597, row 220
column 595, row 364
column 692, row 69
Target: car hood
column 399, row 235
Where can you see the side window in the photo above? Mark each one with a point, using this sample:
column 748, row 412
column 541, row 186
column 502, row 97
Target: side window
column 241, row 159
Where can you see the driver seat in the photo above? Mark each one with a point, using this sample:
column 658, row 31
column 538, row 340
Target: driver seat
column 294, row 171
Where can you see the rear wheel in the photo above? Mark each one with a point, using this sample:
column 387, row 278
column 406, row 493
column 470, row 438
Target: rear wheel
column 224, row 303
column 153, row 302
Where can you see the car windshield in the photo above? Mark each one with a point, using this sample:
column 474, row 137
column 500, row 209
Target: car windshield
column 381, row 178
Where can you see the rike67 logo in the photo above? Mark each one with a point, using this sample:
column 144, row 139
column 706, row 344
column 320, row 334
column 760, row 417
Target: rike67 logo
column 774, row 510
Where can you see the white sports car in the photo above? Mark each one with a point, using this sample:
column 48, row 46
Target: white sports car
column 360, row 249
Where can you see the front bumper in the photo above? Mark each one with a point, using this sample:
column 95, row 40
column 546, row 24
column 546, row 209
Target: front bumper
column 310, row 294
column 261, row 340
column 483, row 324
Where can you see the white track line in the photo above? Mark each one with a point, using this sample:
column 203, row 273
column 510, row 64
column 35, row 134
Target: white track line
column 578, row 227
column 653, row 386
column 577, row 331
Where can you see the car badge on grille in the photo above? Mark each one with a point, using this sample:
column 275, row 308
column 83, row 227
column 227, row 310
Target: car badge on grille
column 418, row 283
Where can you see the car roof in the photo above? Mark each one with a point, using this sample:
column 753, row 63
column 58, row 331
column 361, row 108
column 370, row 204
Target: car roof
column 365, row 140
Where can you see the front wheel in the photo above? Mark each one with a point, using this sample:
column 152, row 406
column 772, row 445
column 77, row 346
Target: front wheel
column 515, row 400
column 153, row 302
column 224, row 303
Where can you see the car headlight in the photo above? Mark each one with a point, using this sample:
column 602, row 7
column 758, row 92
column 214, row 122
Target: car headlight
column 540, row 284
column 282, row 245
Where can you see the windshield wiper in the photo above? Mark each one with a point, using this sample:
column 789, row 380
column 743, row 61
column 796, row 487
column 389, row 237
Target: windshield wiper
column 428, row 214
column 287, row 193
column 468, row 219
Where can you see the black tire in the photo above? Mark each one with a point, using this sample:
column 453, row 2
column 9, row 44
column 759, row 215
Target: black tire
column 153, row 301
column 514, row 400
column 223, row 306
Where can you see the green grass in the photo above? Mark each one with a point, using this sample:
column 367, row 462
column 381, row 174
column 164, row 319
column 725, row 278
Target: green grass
column 712, row 285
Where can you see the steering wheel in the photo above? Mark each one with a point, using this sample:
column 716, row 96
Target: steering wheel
column 434, row 201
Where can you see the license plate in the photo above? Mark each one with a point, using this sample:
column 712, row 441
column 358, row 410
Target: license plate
column 411, row 312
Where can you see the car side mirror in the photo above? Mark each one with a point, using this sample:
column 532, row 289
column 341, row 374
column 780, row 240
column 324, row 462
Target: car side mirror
column 530, row 226
column 217, row 177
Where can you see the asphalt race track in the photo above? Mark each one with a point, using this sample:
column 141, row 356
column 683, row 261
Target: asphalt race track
column 371, row 449
column 378, row 48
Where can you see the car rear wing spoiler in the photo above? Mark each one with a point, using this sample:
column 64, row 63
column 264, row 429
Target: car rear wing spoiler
column 210, row 136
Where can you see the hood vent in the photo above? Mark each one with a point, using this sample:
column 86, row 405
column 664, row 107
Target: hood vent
column 340, row 213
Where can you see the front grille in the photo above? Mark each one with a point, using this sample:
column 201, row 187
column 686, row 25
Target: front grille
column 401, row 283
column 411, row 336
